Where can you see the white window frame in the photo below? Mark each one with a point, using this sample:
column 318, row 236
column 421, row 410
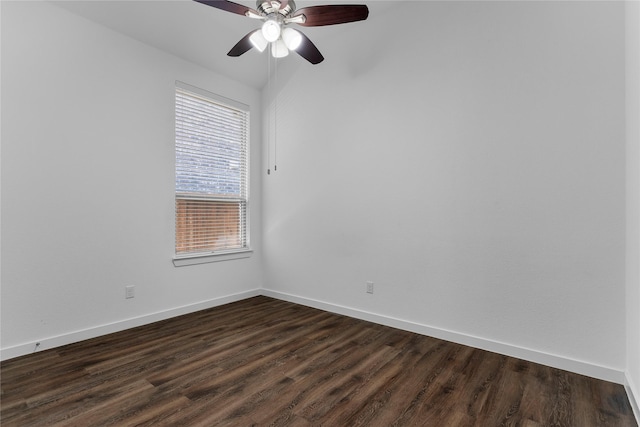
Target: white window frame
column 190, row 258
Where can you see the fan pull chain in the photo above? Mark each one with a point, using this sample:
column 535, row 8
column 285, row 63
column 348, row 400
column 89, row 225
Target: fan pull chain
column 269, row 110
column 270, row 92
column 275, row 122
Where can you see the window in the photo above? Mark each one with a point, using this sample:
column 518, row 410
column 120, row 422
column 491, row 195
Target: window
column 212, row 159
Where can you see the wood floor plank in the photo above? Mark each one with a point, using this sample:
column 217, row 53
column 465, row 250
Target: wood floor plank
column 398, row 402
column 263, row 361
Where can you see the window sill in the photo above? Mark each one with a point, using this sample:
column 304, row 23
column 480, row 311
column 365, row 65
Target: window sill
column 182, row 261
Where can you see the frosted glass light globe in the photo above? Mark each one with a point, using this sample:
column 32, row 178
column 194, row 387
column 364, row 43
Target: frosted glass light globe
column 258, row 41
column 279, row 49
column 291, row 38
column 271, row 30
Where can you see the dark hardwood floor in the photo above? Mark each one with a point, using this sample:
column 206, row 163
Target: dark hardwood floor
column 267, row 362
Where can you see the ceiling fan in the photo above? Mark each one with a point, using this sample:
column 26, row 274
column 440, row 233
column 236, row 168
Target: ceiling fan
column 277, row 15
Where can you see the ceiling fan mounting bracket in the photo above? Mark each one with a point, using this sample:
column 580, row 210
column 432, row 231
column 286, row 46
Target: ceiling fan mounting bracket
column 298, row 19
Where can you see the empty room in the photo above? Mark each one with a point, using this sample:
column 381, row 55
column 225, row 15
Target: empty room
column 411, row 213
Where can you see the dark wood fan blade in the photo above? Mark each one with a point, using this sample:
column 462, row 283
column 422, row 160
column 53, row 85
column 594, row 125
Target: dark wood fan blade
column 309, row 51
column 242, row 46
column 229, row 6
column 332, row 14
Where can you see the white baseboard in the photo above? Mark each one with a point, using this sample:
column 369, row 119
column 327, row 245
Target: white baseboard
column 572, row 365
column 84, row 334
column 577, row 366
column 633, row 394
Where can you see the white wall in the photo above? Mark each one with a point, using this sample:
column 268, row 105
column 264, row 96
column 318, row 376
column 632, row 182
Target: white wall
column 473, row 168
column 87, row 182
column 633, row 199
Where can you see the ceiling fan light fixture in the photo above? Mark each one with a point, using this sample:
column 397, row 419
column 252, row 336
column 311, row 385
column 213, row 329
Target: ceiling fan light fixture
column 291, row 38
column 271, row 30
column 258, row 41
column 277, row 15
column 279, row 49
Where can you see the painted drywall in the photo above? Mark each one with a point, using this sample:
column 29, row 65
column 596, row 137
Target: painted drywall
column 632, row 14
column 469, row 159
column 87, row 181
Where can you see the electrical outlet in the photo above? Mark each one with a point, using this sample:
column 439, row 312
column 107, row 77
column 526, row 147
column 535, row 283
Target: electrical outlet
column 369, row 287
column 129, row 292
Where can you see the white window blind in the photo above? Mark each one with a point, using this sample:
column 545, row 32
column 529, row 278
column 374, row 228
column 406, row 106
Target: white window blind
column 212, row 159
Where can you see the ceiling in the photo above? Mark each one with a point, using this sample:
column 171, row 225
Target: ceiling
column 203, row 35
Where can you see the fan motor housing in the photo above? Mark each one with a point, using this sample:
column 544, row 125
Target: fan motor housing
column 269, row 7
